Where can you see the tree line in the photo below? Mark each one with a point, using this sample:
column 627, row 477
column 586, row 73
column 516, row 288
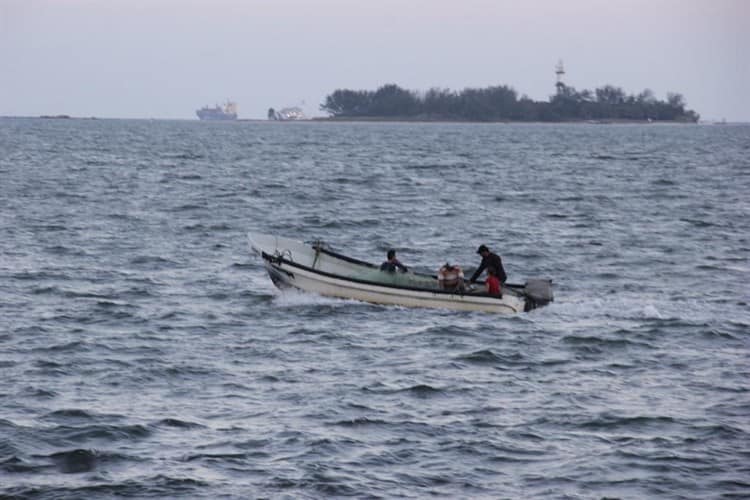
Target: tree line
column 502, row 103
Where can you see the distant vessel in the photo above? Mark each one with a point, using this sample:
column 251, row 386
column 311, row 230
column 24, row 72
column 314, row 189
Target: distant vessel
column 287, row 114
column 228, row 112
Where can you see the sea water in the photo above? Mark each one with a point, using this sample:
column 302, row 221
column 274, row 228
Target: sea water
column 145, row 353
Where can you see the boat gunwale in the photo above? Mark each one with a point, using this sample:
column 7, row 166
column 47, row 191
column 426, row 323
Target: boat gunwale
column 373, row 266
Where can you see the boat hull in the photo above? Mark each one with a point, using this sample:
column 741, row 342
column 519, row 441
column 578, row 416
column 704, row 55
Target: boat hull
column 286, row 277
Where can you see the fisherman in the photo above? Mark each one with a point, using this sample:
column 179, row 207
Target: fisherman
column 392, row 263
column 489, row 260
column 451, row 277
column 492, row 283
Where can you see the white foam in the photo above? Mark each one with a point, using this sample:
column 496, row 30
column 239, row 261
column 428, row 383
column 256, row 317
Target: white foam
column 626, row 306
column 294, row 298
column 651, row 312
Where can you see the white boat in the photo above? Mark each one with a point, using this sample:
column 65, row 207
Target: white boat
column 314, row 267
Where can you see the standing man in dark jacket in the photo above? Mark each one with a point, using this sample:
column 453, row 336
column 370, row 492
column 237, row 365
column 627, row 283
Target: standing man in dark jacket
column 492, row 260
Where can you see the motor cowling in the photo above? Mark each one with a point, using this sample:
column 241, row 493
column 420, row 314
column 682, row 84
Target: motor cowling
column 538, row 292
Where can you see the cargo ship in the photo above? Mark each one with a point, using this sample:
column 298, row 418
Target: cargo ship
column 227, row 112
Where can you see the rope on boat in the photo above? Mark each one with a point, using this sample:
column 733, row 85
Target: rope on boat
column 317, row 254
column 318, row 245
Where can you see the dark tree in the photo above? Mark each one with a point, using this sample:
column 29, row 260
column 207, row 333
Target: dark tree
column 610, row 95
column 348, row 103
column 391, row 100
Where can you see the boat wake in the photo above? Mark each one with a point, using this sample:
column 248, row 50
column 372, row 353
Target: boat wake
column 291, row 297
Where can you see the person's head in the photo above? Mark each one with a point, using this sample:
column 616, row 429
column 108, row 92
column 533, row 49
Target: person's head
column 448, row 266
column 483, row 250
column 391, row 254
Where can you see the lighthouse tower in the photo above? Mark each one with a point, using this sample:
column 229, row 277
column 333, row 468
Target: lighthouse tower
column 559, row 71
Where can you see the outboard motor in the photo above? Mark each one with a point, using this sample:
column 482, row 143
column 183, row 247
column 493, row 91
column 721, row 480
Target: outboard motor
column 538, row 292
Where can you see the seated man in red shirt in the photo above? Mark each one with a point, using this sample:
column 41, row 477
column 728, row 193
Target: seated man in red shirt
column 492, row 283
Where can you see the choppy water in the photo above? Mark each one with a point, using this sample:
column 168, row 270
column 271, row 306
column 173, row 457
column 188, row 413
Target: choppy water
column 144, row 353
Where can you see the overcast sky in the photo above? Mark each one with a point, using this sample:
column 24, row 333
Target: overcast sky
column 166, row 58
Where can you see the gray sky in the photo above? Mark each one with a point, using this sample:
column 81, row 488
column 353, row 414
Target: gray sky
column 166, row 58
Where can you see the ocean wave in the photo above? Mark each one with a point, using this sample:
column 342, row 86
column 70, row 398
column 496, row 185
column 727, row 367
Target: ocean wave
column 37, row 393
column 75, row 461
column 155, row 260
column 68, row 414
column 96, row 433
column 177, row 423
column 158, row 486
column 486, row 356
column 611, row 422
column 360, row 422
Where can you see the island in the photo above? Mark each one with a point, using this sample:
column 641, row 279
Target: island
column 502, row 103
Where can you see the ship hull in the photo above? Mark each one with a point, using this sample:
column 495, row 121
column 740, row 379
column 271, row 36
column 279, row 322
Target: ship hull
column 215, row 116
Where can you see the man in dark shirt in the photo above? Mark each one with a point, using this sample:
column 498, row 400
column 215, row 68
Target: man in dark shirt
column 392, row 263
column 489, row 259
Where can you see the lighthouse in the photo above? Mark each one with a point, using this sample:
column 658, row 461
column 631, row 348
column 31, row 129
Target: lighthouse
column 559, row 71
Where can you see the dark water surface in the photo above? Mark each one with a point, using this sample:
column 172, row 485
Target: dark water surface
column 144, row 352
